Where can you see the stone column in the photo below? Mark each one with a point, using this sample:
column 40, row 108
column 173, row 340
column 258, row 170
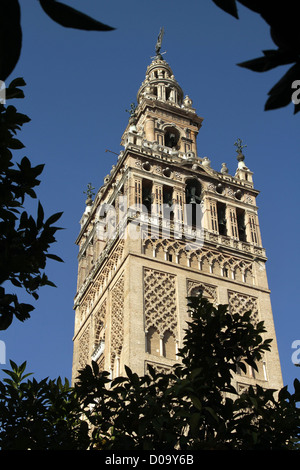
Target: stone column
column 157, row 199
column 193, row 139
column 232, row 221
column 149, row 129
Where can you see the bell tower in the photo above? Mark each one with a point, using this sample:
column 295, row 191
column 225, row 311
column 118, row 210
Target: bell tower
column 163, row 226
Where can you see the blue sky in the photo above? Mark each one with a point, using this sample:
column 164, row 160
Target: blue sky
column 79, row 85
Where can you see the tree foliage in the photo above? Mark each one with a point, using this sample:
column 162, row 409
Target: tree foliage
column 41, row 415
column 24, row 240
column 283, row 20
column 192, row 407
column 11, row 30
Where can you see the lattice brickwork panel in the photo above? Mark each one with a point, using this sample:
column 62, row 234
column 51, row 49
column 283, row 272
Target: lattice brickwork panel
column 160, row 301
column 242, row 303
column 100, row 323
column 84, row 348
column 117, row 318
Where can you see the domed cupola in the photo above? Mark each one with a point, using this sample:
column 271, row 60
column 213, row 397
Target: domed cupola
column 164, row 121
column 159, row 83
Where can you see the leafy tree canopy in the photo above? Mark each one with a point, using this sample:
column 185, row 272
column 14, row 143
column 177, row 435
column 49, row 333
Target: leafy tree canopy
column 282, row 17
column 192, row 407
column 283, row 20
column 24, row 240
column 11, row 30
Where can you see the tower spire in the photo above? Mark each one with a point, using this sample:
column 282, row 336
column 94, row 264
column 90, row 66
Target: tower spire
column 164, row 226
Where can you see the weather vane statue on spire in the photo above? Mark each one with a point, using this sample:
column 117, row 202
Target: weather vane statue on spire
column 239, row 149
column 159, row 43
column 89, row 192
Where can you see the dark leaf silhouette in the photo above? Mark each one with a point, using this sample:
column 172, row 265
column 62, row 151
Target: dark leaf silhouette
column 255, row 5
column 270, row 60
column 283, row 19
column 10, row 37
column 183, row 409
column 71, row 18
column 296, row 110
column 230, row 6
column 280, row 94
column 227, row 5
column 24, row 240
column 11, row 30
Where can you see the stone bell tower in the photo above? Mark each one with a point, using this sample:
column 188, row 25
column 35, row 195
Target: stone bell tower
column 163, row 226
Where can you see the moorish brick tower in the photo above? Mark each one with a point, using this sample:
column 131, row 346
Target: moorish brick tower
column 164, row 225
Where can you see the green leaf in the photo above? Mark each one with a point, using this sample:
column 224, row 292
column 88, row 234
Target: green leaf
column 14, row 93
column 281, row 93
column 15, row 144
column 194, row 422
column 11, row 37
column 151, row 371
column 296, row 108
column 196, row 402
column 254, row 437
column 283, row 393
column 254, row 5
column 38, row 169
column 254, row 402
column 95, row 368
column 227, row 5
column 5, row 320
column 19, row 81
column 128, row 372
column 196, row 372
column 50, row 283
column 53, row 218
column 40, row 218
column 55, row 257
column 270, row 60
column 278, row 100
column 15, row 282
column 212, row 412
column 71, row 18
column 118, row 380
